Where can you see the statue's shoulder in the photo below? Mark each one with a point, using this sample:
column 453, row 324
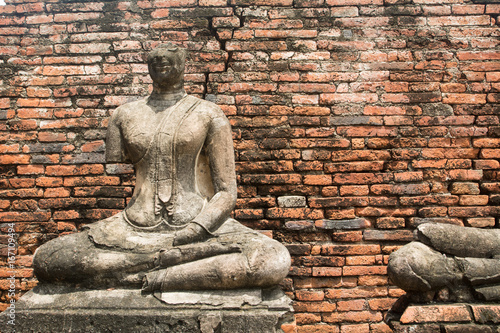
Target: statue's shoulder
column 127, row 110
column 209, row 108
column 131, row 106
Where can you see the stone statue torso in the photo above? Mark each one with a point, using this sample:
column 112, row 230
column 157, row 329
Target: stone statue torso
column 163, row 144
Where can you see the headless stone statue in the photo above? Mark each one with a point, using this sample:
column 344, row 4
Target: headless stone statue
column 175, row 233
column 450, row 262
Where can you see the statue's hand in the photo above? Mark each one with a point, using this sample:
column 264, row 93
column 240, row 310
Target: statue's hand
column 192, row 233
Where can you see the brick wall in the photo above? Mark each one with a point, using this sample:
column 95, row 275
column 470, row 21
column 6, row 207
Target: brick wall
column 353, row 121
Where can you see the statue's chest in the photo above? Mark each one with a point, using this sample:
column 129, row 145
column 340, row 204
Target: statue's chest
column 165, row 133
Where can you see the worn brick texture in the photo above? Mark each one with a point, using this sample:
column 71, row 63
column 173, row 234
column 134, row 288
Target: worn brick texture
column 354, row 121
column 449, row 318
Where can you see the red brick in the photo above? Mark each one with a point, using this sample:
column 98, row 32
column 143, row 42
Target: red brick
column 416, row 176
column 353, row 2
column 459, row 20
column 315, row 307
column 390, row 222
column 272, row 179
column 246, row 214
column 351, row 98
column 351, row 305
column 480, row 312
column 294, row 213
column 355, row 328
column 372, row 280
column 21, row 182
column 327, row 271
column 13, row 31
column 14, row 159
column 481, row 222
column 76, row 17
column 319, row 328
column 322, row 261
column 375, row 211
column 30, row 7
column 9, row 148
column 490, row 153
column 381, row 304
column 304, row 295
column 464, row 98
column 91, row 147
column 213, row 2
column 352, row 316
column 347, row 236
column 340, row 214
column 466, row 175
column 66, row 226
column 286, row 33
column 483, row 211
column 486, row 164
column 24, row 216
column 358, row 292
column 413, row 189
column 317, row 180
column 354, row 190
column 336, row 202
column 289, row 327
column 39, row 19
column 364, row 270
column 56, row 192
column 19, row 273
column 71, row 170
column 350, row 249
column 262, row 2
column 307, row 318
column 436, row 313
column 473, row 200
column 226, row 22
column 432, row 211
column 362, row 22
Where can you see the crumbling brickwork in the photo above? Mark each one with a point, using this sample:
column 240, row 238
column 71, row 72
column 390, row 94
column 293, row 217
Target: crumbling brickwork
column 353, row 121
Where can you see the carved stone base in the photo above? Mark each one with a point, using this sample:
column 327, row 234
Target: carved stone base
column 61, row 309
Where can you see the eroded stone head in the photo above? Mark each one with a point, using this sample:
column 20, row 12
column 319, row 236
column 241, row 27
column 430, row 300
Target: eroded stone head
column 166, row 64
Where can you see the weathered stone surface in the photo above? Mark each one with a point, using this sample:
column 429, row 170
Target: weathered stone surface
column 300, row 225
column 51, row 309
column 460, row 241
column 437, row 109
column 462, row 260
column 292, row 201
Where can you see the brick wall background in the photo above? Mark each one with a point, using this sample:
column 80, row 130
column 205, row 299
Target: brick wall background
column 353, row 121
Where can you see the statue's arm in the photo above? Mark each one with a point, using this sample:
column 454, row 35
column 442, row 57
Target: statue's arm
column 115, row 150
column 219, row 148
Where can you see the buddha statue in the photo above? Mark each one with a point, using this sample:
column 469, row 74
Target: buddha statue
column 175, row 233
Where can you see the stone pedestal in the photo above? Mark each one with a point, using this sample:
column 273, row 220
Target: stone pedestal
column 449, row 318
column 59, row 309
